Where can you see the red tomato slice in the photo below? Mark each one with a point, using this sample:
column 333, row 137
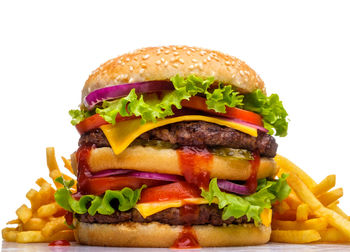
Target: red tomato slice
column 196, row 102
column 96, row 121
column 98, row 186
column 173, row 191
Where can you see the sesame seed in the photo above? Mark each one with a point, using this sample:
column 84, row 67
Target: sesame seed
column 131, row 68
column 167, row 52
column 200, row 66
column 209, row 58
column 143, row 65
column 174, row 48
column 166, row 63
column 203, row 53
column 205, row 61
column 191, row 67
column 158, row 62
column 162, row 59
column 172, row 59
column 119, row 61
column 241, row 72
column 176, row 65
column 247, row 72
column 192, row 49
column 181, row 61
column 127, row 59
column 188, row 53
column 158, row 51
column 142, row 70
column 176, row 53
column 227, row 63
column 233, row 63
column 146, row 56
column 194, row 60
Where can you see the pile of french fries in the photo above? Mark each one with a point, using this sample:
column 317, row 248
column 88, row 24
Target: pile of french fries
column 44, row 221
column 311, row 212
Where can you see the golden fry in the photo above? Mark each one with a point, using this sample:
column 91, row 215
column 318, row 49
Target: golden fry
column 325, row 185
column 295, row 236
column 335, row 220
column 302, row 212
column 332, row 235
column 68, row 165
column 24, row 213
column 30, row 236
column 331, row 196
column 48, row 210
column 338, row 210
column 288, row 166
column 16, row 221
column 293, row 201
column 9, row 234
column 34, row 224
column 53, row 226
column 316, row 224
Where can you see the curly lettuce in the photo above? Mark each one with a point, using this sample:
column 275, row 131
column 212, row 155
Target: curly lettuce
column 92, row 204
column 252, row 205
column 218, row 98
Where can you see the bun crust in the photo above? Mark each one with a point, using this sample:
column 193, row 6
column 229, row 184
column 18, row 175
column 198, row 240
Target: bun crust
column 162, row 63
column 143, row 159
column 155, row 234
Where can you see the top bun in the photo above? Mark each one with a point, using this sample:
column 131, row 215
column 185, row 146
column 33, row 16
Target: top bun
column 162, row 63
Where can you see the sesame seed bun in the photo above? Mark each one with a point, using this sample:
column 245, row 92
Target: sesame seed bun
column 162, row 63
column 131, row 234
column 143, row 159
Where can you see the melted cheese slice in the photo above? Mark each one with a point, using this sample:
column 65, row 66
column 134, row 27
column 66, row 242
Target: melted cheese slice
column 122, row 134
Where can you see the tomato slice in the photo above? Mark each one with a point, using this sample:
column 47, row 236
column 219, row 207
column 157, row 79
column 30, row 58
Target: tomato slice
column 96, row 121
column 196, row 102
column 173, row 191
column 98, row 186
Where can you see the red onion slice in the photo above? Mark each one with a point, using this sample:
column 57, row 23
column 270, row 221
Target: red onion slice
column 156, row 176
column 114, row 92
column 232, row 187
column 111, row 172
column 244, row 123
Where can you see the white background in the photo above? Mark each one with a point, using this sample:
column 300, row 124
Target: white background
column 48, row 49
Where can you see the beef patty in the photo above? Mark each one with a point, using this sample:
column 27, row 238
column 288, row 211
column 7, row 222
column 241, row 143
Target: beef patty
column 196, row 133
column 195, row 215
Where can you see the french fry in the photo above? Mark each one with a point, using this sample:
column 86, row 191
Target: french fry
column 287, row 215
column 33, row 196
column 331, row 196
column 293, row 201
column 67, row 235
column 16, row 221
column 295, row 236
column 307, row 196
column 288, row 166
column 68, row 165
column 34, row 224
column 324, row 186
column 302, row 212
column 9, row 234
column 282, row 207
column 52, row 165
column 316, row 224
column 24, row 213
column 48, row 210
column 30, row 236
column 53, row 226
column 332, row 235
column 338, row 210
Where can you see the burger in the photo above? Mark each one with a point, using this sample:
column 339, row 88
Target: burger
column 176, row 150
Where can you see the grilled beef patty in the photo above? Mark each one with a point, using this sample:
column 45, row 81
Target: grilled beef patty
column 195, row 215
column 196, row 133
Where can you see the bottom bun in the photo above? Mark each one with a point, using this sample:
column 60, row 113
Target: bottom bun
column 132, row 234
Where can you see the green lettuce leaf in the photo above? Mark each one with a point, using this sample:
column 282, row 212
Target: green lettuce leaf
column 127, row 199
column 270, row 108
column 251, row 205
column 78, row 115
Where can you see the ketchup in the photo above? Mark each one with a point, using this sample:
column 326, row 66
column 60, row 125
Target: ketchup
column 195, row 164
column 189, row 213
column 84, row 173
column 252, row 181
column 69, row 218
column 187, row 239
column 60, row 243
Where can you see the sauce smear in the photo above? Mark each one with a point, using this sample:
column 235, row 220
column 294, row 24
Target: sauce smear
column 187, row 239
column 195, row 164
column 84, row 173
column 60, row 243
column 252, row 181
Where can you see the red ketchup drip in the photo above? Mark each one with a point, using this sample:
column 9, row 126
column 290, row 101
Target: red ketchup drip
column 189, row 213
column 187, row 239
column 84, row 173
column 69, row 218
column 252, row 181
column 60, row 243
column 195, row 164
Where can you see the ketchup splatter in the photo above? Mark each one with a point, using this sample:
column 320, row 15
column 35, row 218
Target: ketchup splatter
column 69, row 218
column 189, row 213
column 60, row 243
column 187, row 239
column 195, row 164
column 84, row 173
column 252, row 181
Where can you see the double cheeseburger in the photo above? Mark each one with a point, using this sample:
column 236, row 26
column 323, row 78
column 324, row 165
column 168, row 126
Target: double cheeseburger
column 176, row 150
